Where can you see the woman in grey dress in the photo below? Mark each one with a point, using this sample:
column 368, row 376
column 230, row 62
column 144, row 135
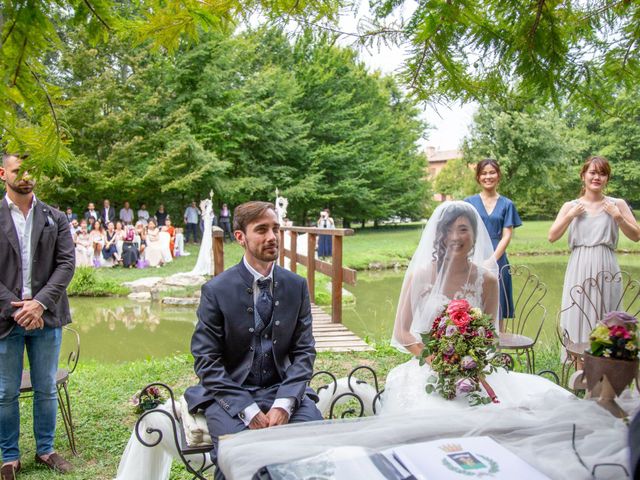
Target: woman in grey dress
column 593, row 221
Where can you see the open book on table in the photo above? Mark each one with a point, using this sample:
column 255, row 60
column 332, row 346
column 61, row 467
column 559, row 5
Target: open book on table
column 450, row 459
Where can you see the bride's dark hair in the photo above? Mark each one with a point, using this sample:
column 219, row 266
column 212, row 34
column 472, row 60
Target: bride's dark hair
column 447, row 218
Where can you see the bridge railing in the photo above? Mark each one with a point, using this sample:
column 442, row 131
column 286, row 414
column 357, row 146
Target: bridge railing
column 333, row 269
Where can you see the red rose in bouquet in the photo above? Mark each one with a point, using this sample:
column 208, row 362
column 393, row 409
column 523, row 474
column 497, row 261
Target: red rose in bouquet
column 458, row 313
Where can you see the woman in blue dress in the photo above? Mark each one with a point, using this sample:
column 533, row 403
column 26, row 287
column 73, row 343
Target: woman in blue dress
column 500, row 216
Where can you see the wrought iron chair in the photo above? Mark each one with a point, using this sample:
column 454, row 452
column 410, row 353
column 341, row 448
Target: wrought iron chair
column 588, row 306
column 62, row 382
column 528, row 310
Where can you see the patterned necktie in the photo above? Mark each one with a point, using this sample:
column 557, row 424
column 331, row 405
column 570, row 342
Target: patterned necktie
column 264, row 302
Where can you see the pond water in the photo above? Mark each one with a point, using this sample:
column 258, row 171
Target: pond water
column 118, row 329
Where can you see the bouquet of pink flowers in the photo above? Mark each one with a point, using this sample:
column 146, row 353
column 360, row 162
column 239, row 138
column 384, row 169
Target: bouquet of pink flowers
column 460, row 348
column 616, row 336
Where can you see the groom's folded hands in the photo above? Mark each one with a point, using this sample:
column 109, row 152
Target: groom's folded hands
column 260, row 420
column 277, row 416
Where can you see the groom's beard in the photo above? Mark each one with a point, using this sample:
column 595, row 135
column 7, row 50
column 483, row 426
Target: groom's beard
column 266, row 253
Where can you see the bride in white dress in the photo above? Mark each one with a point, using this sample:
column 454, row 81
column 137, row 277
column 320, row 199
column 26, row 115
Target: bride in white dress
column 454, row 260
column 534, row 418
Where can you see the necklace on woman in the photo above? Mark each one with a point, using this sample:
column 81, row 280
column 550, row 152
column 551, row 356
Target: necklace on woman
column 489, row 202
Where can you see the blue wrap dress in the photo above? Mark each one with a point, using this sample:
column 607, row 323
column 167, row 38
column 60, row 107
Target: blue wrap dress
column 504, row 215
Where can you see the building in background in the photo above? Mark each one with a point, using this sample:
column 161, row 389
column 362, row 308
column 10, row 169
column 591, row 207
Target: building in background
column 436, row 160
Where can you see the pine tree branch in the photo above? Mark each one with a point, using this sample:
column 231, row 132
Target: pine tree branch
column 93, row 10
column 49, row 100
column 4, row 40
column 536, row 22
column 20, row 57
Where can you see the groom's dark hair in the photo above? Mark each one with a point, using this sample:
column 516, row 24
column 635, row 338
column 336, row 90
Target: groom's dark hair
column 246, row 213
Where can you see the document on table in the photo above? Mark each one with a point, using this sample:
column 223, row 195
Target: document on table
column 463, row 458
column 445, row 459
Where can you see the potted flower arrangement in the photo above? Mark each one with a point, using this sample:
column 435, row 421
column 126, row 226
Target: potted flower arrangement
column 461, row 348
column 613, row 352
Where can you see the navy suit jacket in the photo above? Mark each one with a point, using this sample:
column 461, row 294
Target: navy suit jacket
column 222, row 344
column 51, row 271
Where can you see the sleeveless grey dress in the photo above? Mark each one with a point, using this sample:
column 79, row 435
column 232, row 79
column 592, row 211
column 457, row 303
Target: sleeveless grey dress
column 592, row 240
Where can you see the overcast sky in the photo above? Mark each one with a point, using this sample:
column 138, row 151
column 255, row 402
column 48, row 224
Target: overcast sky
column 449, row 124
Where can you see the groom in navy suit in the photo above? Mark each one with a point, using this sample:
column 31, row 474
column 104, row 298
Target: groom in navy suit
column 253, row 345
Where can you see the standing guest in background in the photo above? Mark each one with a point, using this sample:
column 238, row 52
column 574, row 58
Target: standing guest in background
column 90, row 223
column 70, row 215
column 33, row 309
column 325, row 248
column 161, row 215
column 593, row 221
column 126, row 214
column 191, row 218
column 500, row 216
column 225, row 222
column 91, row 212
column 143, row 215
column 108, row 213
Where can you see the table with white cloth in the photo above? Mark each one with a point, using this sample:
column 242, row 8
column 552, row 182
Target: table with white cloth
column 542, row 430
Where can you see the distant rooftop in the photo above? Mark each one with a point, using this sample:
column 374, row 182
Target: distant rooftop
column 434, row 155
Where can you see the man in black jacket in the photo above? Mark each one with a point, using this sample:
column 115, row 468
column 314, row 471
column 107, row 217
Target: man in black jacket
column 38, row 260
column 253, row 345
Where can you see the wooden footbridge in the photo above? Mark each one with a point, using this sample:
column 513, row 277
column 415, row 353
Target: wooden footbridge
column 330, row 334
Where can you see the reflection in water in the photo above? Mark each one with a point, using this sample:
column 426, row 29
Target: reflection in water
column 118, row 329
column 130, row 316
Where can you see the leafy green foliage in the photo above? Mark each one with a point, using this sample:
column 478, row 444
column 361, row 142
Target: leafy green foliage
column 456, row 179
column 537, row 151
column 242, row 115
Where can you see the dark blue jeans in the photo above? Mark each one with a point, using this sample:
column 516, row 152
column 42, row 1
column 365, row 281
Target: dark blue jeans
column 43, row 350
column 193, row 229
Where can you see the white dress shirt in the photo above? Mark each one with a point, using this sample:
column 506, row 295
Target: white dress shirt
column 24, row 226
column 286, row 403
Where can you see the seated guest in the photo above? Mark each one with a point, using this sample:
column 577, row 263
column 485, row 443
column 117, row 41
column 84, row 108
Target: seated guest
column 246, row 379
column 130, row 253
column 140, row 237
column 97, row 240
column 74, row 227
column 179, row 250
column 171, row 230
column 109, row 250
column 84, row 246
column 90, row 222
column 153, row 250
column 120, row 234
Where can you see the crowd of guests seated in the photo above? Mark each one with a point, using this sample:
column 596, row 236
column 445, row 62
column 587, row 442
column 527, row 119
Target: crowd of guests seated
column 104, row 238
column 101, row 240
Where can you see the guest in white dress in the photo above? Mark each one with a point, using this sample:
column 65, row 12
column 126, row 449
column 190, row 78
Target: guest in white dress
column 153, row 250
column 84, row 246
